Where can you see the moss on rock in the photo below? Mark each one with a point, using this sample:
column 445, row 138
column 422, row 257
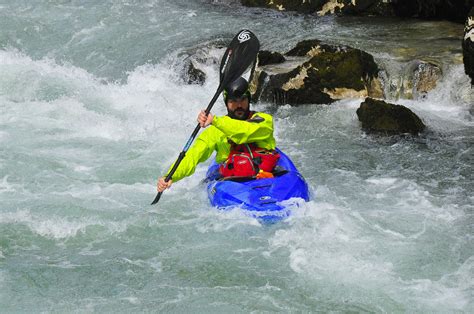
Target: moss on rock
column 348, row 68
column 325, row 73
column 379, row 116
column 310, row 48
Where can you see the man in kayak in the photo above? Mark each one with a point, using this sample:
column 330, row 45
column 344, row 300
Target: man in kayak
column 243, row 140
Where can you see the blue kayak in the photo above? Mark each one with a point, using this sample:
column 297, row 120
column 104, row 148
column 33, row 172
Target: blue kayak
column 268, row 199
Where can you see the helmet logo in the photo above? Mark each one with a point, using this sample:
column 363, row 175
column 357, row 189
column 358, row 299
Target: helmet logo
column 243, row 36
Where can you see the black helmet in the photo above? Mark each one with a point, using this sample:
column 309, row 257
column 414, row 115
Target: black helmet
column 237, row 89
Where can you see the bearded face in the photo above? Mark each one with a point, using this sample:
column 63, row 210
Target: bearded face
column 238, row 108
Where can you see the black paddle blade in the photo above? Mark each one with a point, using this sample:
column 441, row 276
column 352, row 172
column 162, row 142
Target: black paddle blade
column 239, row 56
column 157, row 198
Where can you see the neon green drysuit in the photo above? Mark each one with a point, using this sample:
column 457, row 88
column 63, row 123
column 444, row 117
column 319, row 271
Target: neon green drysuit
column 258, row 129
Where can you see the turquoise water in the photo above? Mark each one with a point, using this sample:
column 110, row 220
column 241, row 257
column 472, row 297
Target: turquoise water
column 93, row 111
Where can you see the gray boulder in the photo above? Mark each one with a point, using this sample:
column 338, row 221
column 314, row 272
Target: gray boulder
column 193, row 75
column 379, row 116
column 318, row 73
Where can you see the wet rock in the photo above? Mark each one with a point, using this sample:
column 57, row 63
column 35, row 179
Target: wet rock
column 318, row 73
column 193, row 75
column 331, row 7
column 425, row 79
column 379, row 116
column 268, row 57
column 302, row 6
column 192, row 60
column 452, row 10
column 310, row 48
column 468, row 46
column 368, row 7
column 419, row 78
column 359, row 7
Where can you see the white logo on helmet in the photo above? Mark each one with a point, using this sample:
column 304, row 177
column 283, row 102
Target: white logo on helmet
column 244, row 36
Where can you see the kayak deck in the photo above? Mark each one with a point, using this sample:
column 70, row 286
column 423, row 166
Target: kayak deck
column 260, row 198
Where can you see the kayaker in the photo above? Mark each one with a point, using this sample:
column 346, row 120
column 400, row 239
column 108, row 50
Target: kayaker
column 243, row 139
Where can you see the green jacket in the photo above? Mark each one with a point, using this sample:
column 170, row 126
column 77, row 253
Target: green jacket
column 258, row 129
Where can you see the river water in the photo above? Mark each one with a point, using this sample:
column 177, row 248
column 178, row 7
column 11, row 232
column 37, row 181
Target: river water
column 93, row 111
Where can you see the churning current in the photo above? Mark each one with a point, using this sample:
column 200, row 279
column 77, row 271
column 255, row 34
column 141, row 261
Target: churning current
column 94, row 110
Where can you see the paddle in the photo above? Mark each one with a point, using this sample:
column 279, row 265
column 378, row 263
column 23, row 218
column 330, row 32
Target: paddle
column 239, row 56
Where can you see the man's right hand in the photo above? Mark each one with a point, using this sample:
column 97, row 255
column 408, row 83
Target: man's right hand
column 204, row 120
column 163, row 185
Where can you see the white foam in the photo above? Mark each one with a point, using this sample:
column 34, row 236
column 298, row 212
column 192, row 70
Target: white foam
column 89, row 252
column 446, row 107
column 132, row 300
column 220, row 220
column 24, row 78
column 336, row 245
column 153, row 263
column 58, row 227
column 85, row 34
column 6, row 187
column 83, row 169
column 382, row 181
column 191, row 13
column 451, row 291
column 146, row 108
column 107, row 197
column 64, row 265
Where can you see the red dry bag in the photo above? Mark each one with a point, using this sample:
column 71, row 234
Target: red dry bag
column 246, row 160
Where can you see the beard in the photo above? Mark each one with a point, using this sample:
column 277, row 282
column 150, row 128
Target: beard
column 239, row 113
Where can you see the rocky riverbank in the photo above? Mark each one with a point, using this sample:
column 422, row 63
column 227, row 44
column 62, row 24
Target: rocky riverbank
column 319, row 72
column 455, row 11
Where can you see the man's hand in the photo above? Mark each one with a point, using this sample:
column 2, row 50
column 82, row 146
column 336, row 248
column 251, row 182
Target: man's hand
column 163, row 185
column 204, row 120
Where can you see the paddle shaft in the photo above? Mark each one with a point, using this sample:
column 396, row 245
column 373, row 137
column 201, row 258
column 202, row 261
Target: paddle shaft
column 188, row 143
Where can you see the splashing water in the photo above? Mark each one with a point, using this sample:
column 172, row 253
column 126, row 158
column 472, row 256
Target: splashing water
column 93, row 111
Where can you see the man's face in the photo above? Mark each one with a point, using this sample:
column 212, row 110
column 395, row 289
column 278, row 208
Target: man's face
column 238, row 108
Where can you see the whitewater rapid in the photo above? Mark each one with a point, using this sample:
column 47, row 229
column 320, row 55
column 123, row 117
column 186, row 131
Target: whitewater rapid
column 388, row 229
